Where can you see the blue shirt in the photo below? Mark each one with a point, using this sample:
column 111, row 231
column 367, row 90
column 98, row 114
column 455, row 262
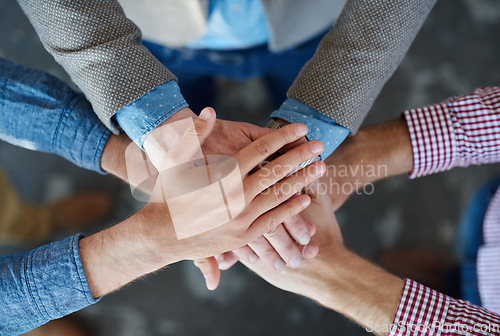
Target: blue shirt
column 40, row 112
column 232, row 24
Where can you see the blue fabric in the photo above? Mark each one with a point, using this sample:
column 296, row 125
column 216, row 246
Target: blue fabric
column 42, row 113
column 470, row 240
column 196, row 69
column 233, row 24
column 41, row 285
column 320, row 126
column 141, row 117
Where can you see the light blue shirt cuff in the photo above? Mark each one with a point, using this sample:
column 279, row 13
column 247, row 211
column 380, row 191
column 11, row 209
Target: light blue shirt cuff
column 141, row 117
column 320, row 126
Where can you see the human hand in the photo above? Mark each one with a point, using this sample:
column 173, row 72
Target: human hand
column 374, row 153
column 337, row 278
column 277, row 248
column 327, row 240
column 227, row 137
column 148, row 240
column 258, row 206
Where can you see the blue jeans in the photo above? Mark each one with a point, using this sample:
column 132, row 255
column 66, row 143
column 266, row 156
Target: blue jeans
column 197, row 68
column 471, row 238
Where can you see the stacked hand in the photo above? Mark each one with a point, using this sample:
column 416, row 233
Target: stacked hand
column 277, row 248
column 148, row 240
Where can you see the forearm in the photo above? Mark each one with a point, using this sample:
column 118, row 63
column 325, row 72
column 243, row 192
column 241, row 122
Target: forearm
column 340, row 281
column 113, row 156
column 374, row 153
column 360, row 290
column 118, row 255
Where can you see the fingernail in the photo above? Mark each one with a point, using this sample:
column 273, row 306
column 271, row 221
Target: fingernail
column 279, row 265
column 208, row 280
column 319, row 169
column 253, row 258
column 316, row 148
column 301, row 130
column 309, row 251
column 205, row 114
column 306, row 201
column 296, row 261
column 304, row 238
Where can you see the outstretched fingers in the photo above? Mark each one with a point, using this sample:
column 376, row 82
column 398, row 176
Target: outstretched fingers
column 252, row 155
column 280, row 167
column 271, row 219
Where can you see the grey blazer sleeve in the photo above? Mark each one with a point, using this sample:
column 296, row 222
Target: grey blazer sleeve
column 100, row 49
column 357, row 57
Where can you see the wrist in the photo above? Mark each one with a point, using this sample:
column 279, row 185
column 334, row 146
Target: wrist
column 114, row 257
column 158, row 236
column 163, row 137
column 383, row 149
column 113, row 155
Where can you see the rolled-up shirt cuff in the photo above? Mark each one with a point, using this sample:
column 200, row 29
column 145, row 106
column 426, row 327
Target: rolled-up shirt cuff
column 141, row 117
column 80, row 137
column 421, row 311
column 57, row 279
column 320, row 126
column 41, row 285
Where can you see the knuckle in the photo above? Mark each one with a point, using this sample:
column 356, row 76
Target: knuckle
column 263, row 148
column 291, row 210
column 279, row 196
column 268, row 251
column 305, row 153
column 291, row 222
column 287, row 135
column 277, row 171
column 290, row 246
column 272, row 232
column 192, row 133
column 272, row 223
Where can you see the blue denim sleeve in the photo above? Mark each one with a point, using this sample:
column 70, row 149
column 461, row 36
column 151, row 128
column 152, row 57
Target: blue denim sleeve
column 42, row 113
column 142, row 116
column 320, row 126
column 41, row 285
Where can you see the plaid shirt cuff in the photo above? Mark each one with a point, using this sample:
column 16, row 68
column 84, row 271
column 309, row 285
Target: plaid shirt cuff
column 423, row 311
column 459, row 132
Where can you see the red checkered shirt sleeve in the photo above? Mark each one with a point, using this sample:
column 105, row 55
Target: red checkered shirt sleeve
column 424, row 312
column 458, row 132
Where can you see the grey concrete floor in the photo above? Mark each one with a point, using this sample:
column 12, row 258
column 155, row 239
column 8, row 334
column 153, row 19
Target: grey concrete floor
column 457, row 50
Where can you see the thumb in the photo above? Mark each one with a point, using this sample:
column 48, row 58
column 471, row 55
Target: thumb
column 210, row 270
column 194, row 133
